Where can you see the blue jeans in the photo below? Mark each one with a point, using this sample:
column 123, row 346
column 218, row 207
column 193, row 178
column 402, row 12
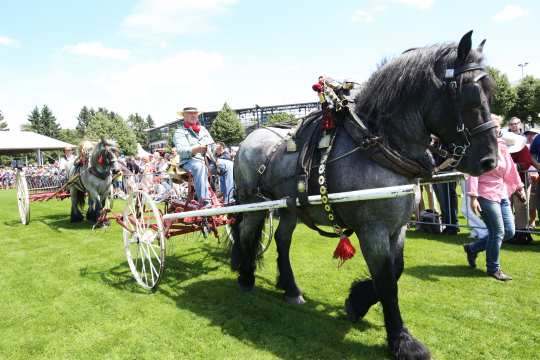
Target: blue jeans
column 199, row 172
column 447, row 198
column 500, row 224
column 226, row 179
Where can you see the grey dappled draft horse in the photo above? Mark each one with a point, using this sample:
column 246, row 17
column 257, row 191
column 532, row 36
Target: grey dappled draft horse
column 95, row 179
column 404, row 101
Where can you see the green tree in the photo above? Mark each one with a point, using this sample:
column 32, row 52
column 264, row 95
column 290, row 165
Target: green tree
column 150, row 122
column 284, row 118
column 71, row 136
column 51, row 127
column 83, row 119
column 102, row 125
column 226, row 127
column 43, row 122
column 34, row 122
column 505, row 96
column 3, row 123
column 138, row 125
column 528, row 99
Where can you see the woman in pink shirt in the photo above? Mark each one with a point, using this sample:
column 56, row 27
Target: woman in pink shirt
column 489, row 194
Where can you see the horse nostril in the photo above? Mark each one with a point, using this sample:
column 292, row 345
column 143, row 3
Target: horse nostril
column 487, row 164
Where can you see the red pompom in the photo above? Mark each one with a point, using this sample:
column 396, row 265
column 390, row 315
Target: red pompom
column 344, row 251
column 101, row 160
column 318, row 88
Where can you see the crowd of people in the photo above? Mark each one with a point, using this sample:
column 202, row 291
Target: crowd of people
column 37, row 176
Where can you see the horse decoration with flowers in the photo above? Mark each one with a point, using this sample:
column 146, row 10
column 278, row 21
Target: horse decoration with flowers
column 381, row 139
column 92, row 173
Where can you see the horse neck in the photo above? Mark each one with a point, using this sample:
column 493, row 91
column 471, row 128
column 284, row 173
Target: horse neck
column 406, row 133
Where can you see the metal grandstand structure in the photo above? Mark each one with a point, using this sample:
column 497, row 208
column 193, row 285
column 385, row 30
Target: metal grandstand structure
column 251, row 118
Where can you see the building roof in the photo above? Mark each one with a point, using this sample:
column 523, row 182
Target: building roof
column 23, row 141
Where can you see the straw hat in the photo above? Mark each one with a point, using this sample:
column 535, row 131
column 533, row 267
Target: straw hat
column 514, row 142
column 189, row 109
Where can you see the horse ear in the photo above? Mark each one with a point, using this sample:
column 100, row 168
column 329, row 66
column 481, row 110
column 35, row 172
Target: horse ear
column 480, row 47
column 464, row 48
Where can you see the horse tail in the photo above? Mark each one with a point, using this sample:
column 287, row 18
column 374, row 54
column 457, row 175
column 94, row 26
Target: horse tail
column 235, row 250
column 246, row 251
column 79, row 199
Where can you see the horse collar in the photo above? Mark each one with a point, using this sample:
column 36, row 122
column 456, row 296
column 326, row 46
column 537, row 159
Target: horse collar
column 92, row 170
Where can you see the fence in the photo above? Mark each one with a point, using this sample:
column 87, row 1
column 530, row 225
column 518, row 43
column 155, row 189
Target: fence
column 450, row 204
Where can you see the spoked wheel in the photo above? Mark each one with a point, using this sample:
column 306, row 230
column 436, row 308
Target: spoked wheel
column 144, row 242
column 23, row 199
column 266, row 235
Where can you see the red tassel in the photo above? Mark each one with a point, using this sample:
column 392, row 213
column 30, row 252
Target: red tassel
column 344, row 251
column 328, row 122
column 101, row 160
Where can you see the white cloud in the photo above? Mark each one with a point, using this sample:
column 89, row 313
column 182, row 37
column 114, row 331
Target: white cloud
column 96, row 49
column 173, row 17
column 509, row 12
column 420, row 4
column 367, row 16
column 362, row 16
column 7, row 41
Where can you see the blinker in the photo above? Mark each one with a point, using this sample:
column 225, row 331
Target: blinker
column 471, row 95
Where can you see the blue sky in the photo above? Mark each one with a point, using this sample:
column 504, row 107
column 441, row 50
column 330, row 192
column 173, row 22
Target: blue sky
column 157, row 56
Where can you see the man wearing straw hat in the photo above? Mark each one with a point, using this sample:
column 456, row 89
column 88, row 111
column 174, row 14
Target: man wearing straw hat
column 192, row 141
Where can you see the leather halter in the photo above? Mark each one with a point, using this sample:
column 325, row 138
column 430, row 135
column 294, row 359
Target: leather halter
column 454, row 90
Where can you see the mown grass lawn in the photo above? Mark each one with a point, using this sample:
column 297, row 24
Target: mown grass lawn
column 66, row 292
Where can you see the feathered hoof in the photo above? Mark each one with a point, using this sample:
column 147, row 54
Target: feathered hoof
column 406, row 347
column 355, row 311
column 246, row 283
column 76, row 218
column 295, row 300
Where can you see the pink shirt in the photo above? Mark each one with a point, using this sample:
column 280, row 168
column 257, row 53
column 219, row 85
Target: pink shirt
column 499, row 183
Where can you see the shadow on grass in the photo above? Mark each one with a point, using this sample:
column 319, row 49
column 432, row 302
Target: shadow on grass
column 260, row 318
column 434, row 272
column 178, row 268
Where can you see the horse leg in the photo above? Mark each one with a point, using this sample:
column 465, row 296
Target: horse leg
column 76, row 215
column 283, row 236
column 362, row 294
column 94, row 206
column 247, row 234
column 377, row 249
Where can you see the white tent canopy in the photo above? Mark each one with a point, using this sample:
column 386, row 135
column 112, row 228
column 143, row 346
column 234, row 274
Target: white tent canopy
column 141, row 152
column 22, row 141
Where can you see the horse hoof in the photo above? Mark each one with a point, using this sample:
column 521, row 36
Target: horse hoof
column 295, row 300
column 406, row 347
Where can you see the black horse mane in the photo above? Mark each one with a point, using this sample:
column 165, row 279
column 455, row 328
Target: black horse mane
column 400, row 85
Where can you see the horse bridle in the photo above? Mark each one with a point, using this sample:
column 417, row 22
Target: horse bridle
column 454, row 88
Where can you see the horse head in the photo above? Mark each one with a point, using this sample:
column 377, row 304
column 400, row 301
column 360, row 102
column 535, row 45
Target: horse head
column 460, row 115
column 105, row 157
column 443, row 89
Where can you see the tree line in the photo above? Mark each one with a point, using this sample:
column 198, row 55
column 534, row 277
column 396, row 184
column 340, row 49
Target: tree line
column 522, row 100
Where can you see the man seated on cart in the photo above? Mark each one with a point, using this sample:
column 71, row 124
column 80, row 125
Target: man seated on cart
column 192, row 141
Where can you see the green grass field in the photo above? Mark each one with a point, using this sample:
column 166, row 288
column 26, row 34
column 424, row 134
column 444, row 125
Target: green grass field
column 67, row 293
